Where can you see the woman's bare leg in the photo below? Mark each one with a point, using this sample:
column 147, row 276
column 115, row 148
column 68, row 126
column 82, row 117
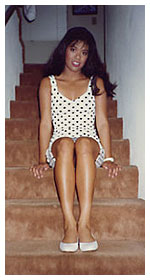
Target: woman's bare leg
column 86, row 152
column 63, row 151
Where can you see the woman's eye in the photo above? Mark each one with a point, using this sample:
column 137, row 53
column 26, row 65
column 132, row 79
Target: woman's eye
column 72, row 49
column 85, row 53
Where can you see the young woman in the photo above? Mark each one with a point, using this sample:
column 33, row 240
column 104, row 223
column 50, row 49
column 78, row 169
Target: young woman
column 74, row 130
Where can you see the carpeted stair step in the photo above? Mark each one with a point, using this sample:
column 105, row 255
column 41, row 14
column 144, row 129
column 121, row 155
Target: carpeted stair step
column 30, row 109
column 30, row 79
column 21, row 153
column 26, row 93
column 44, row 258
column 21, row 129
column 111, row 219
column 21, row 184
column 26, row 129
column 25, row 153
column 24, row 109
column 33, row 68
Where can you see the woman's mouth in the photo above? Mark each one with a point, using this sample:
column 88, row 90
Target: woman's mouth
column 75, row 63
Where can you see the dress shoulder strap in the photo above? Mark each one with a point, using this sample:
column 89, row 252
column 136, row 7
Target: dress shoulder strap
column 90, row 82
column 53, row 83
column 52, row 79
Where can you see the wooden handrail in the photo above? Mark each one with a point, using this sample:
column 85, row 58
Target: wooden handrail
column 20, row 33
column 10, row 11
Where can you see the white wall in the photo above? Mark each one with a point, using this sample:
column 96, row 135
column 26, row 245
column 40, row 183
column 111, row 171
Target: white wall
column 13, row 60
column 42, row 35
column 87, row 21
column 125, row 56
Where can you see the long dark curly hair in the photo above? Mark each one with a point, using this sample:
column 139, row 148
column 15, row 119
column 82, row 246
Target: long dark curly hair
column 93, row 66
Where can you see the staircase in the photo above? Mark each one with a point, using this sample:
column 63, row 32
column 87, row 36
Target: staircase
column 34, row 223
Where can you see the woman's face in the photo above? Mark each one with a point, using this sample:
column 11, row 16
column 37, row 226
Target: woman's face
column 76, row 56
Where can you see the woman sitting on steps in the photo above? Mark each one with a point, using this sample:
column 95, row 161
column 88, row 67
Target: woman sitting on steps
column 74, row 131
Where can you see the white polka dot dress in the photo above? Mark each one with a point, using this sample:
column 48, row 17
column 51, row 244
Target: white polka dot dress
column 72, row 118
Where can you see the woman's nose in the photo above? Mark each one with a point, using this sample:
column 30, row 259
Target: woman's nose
column 78, row 55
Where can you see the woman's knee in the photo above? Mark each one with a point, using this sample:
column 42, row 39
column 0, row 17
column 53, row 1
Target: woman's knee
column 63, row 146
column 83, row 146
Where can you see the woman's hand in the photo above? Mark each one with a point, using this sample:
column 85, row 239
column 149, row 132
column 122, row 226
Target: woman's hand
column 112, row 168
column 38, row 169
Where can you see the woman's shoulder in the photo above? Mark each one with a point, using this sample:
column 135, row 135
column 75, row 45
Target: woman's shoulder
column 45, row 82
column 100, row 86
column 100, row 82
column 45, row 87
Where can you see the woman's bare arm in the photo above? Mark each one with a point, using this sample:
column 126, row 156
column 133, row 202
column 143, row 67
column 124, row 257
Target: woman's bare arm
column 102, row 119
column 103, row 129
column 46, row 121
column 45, row 130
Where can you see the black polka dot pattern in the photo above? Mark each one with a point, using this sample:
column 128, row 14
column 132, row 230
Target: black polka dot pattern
column 71, row 118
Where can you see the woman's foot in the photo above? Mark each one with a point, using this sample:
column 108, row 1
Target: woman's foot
column 87, row 241
column 70, row 240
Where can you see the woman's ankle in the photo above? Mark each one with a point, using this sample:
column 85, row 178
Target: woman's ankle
column 84, row 224
column 70, row 224
column 84, row 232
column 70, row 234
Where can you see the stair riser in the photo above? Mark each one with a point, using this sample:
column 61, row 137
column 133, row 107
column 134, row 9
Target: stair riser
column 116, row 128
column 32, row 68
column 21, row 184
column 28, row 130
column 108, row 222
column 24, row 153
column 21, row 129
column 21, row 153
column 32, row 79
column 22, row 109
column 27, row 110
column 73, row 264
column 26, row 93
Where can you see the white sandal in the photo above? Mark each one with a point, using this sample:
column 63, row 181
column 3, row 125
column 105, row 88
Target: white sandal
column 68, row 247
column 88, row 246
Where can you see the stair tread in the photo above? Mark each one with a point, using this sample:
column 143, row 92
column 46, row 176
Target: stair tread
column 44, row 258
column 27, row 86
column 20, row 183
column 43, row 247
column 27, row 168
column 32, row 101
column 36, row 141
column 111, row 219
column 35, row 120
column 96, row 202
column 21, row 120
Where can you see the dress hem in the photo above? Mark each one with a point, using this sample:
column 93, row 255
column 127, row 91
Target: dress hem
column 52, row 160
